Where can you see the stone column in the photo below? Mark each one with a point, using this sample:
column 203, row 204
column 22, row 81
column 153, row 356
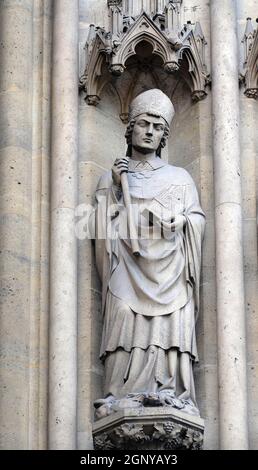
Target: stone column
column 16, row 20
column 160, row 6
column 228, row 221
column 63, row 258
column 249, row 146
column 40, row 214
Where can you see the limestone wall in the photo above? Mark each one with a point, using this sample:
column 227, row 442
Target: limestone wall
column 25, row 54
column 25, row 191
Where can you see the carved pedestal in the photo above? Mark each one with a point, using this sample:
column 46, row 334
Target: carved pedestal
column 149, row 429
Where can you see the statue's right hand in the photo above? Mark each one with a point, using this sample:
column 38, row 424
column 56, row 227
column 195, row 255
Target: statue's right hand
column 120, row 166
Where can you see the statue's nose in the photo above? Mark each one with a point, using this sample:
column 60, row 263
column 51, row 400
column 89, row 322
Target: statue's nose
column 150, row 130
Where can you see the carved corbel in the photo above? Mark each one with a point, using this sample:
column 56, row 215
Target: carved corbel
column 151, row 429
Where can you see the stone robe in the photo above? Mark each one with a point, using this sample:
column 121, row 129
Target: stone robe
column 150, row 303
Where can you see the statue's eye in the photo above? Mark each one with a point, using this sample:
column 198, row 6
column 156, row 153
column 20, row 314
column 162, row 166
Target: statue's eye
column 142, row 123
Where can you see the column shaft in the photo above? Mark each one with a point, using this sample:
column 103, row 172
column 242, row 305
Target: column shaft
column 40, row 214
column 249, row 146
column 63, row 258
column 228, row 218
column 16, row 19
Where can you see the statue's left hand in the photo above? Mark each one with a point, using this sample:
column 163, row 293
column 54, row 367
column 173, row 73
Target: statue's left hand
column 178, row 223
column 175, row 224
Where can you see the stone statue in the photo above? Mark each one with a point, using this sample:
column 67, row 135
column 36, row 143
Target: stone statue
column 151, row 301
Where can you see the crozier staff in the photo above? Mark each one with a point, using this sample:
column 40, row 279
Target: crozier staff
column 121, row 178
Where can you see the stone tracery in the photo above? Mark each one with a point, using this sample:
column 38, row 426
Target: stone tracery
column 154, row 34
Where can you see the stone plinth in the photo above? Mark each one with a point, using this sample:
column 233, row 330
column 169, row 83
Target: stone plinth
column 149, row 429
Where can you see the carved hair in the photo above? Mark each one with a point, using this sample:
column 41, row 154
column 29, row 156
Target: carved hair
column 129, row 133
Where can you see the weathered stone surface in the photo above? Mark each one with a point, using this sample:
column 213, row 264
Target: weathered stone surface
column 63, row 260
column 15, row 226
column 25, row 125
column 228, row 228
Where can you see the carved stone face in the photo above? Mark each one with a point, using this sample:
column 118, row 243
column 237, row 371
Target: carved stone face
column 147, row 133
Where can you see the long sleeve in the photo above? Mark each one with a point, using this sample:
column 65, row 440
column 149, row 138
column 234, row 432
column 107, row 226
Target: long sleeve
column 107, row 198
column 194, row 231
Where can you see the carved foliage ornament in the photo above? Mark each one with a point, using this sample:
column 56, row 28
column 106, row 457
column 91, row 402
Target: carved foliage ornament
column 164, row 435
column 107, row 53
